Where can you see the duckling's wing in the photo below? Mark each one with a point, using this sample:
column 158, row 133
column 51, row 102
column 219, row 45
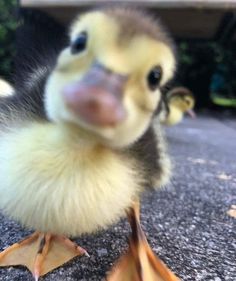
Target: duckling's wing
column 38, row 41
column 150, row 154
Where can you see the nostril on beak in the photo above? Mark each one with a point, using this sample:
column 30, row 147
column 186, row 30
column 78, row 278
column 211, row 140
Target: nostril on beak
column 93, row 105
column 98, row 96
column 96, row 105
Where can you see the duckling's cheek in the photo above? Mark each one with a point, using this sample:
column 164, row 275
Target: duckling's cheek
column 156, row 98
column 69, row 64
column 139, row 114
column 134, row 125
column 53, row 101
column 143, row 99
column 140, row 106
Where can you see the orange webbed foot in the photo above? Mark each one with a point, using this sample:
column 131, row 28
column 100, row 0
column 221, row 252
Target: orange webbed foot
column 41, row 253
column 140, row 263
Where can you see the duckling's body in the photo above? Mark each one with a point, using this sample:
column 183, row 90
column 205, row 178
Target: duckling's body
column 58, row 174
column 175, row 115
column 69, row 169
column 61, row 185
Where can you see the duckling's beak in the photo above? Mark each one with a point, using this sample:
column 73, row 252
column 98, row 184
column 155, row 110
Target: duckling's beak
column 191, row 113
column 98, row 97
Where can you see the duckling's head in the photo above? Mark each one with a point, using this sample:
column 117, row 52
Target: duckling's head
column 182, row 99
column 107, row 80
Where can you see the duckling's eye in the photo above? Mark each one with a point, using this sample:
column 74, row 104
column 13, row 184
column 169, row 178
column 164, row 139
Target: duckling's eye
column 80, row 43
column 154, row 77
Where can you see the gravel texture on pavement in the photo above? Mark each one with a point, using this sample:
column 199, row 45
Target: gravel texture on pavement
column 186, row 222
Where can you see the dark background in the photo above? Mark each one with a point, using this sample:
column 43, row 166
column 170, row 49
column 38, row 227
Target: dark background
column 207, row 66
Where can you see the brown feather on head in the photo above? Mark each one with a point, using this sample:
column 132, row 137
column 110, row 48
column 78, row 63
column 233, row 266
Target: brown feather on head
column 123, row 42
column 135, row 22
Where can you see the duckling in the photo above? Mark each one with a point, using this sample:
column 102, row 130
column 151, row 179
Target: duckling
column 77, row 145
column 5, row 88
column 175, row 104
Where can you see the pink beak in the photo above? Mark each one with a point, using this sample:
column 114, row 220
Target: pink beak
column 97, row 97
column 191, row 113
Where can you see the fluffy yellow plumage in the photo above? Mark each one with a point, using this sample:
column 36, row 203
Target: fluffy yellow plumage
column 179, row 101
column 52, row 178
column 79, row 168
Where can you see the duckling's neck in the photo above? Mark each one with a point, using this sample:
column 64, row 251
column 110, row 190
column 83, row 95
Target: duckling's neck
column 75, row 136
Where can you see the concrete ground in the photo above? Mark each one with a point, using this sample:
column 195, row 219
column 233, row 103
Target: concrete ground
column 186, row 223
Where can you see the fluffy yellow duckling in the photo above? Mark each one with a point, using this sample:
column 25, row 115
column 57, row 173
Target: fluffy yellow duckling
column 176, row 103
column 77, row 147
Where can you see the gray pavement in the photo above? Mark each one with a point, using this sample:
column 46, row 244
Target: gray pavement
column 186, row 223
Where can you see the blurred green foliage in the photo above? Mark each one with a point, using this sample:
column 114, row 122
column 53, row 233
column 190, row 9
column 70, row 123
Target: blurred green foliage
column 8, row 24
column 225, row 60
column 196, row 65
column 208, row 69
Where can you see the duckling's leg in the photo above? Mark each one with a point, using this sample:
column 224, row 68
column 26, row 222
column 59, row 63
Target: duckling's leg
column 41, row 253
column 140, row 263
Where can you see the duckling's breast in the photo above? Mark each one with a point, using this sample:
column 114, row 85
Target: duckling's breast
column 175, row 116
column 50, row 185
